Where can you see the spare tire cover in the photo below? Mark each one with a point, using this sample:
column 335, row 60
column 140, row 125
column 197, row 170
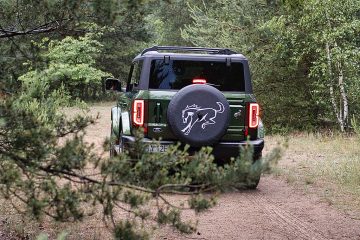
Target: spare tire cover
column 198, row 115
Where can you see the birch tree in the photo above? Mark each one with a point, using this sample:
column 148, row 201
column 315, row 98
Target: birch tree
column 336, row 27
column 279, row 82
column 327, row 32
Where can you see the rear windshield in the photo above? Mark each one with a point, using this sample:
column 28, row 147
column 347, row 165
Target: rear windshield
column 180, row 73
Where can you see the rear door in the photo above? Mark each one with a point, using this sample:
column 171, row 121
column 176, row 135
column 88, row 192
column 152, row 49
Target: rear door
column 167, row 77
column 157, row 114
column 236, row 129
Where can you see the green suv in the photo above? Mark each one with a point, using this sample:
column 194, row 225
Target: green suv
column 196, row 96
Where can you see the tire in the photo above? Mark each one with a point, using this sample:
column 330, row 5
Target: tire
column 251, row 180
column 254, row 179
column 257, row 156
column 249, row 183
column 198, row 115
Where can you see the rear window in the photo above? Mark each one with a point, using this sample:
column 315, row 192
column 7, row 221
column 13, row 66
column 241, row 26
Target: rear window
column 180, row 73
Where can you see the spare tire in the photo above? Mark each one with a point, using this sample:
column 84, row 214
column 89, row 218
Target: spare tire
column 198, row 115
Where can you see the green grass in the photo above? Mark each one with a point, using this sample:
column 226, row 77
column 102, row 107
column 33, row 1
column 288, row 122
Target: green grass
column 329, row 163
column 18, row 226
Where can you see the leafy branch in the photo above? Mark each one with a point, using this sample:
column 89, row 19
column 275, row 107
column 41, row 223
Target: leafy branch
column 43, row 28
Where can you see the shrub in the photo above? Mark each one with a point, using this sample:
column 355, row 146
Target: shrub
column 356, row 126
column 52, row 179
column 70, row 64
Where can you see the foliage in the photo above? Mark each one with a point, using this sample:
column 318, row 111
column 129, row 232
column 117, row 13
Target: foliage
column 285, row 42
column 304, row 57
column 239, row 25
column 61, row 236
column 356, row 126
column 125, row 230
column 323, row 35
column 286, row 45
column 32, row 125
column 161, row 24
column 39, row 18
column 222, row 23
column 332, row 171
column 45, row 165
column 31, row 21
column 69, row 63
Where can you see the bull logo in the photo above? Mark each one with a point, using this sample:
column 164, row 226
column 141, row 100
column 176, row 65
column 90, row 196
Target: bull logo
column 194, row 114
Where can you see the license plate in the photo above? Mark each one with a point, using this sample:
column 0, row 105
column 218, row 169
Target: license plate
column 157, row 148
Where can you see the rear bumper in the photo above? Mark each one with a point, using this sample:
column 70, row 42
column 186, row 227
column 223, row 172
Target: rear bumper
column 232, row 149
column 220, row 150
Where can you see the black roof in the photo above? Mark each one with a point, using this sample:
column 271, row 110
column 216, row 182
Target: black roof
column 189, row 51
column 223, row 51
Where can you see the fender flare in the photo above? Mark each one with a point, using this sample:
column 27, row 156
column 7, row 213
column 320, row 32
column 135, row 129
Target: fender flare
column 261, row 130
column 120, row 121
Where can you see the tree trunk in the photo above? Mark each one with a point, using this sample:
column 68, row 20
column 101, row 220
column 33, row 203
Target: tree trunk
column 331, row 88
column 344, row 98
column 343, row 111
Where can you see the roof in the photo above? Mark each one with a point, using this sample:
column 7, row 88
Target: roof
column 196, row 52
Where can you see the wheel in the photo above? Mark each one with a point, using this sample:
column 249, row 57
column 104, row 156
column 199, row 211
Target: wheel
column 254, row 178
column 249, row 182
column 253, row 181
column 198, row 115
column 257, row 156
column 250, row 179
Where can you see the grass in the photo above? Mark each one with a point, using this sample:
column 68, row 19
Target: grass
column 17, row 226
column 330, row 164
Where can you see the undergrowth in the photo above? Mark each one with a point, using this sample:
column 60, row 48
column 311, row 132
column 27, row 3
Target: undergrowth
column 48, row 171
column 329, row 163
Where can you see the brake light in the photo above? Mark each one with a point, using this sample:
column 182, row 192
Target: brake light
column 138, row 112
column 199, row 81
column 254, row 115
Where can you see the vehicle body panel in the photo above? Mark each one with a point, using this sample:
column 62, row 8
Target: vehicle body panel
column 157, row 101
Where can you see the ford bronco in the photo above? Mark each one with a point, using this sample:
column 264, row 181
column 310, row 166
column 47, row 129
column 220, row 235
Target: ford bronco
column 196, row 96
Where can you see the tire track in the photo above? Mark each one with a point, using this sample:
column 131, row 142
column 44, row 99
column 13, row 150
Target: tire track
column 286, row 220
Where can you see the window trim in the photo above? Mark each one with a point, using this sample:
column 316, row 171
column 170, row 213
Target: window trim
column 130, row 86
column 224, row 60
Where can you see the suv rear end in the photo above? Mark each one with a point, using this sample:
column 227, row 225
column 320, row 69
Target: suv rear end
column 161, row 98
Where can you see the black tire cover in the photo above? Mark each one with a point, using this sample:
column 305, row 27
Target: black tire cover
column 198, row 115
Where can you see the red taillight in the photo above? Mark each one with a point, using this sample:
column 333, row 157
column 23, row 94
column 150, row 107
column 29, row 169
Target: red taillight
column 138, row 112
column 254, row 115
column 199, row 81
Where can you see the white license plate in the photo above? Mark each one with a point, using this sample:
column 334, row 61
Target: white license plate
column 157, row 148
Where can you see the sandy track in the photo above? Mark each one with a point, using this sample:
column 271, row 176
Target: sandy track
column 274, row 211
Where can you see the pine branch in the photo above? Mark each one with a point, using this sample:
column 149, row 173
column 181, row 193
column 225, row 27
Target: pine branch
column 44, row 28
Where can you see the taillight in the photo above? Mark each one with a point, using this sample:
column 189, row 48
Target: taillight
column 254, row 115
column 199, row 81
column 138, row 112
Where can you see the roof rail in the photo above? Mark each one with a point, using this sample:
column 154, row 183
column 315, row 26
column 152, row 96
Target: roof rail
column 224, row 51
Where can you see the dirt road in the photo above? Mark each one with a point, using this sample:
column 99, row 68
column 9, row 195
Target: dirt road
column 274, row 211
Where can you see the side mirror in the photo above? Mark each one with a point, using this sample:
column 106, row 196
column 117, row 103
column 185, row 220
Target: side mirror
column 113, row 84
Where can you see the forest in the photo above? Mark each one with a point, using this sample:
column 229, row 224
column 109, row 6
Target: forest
column 56, row 54
column 304, row 55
